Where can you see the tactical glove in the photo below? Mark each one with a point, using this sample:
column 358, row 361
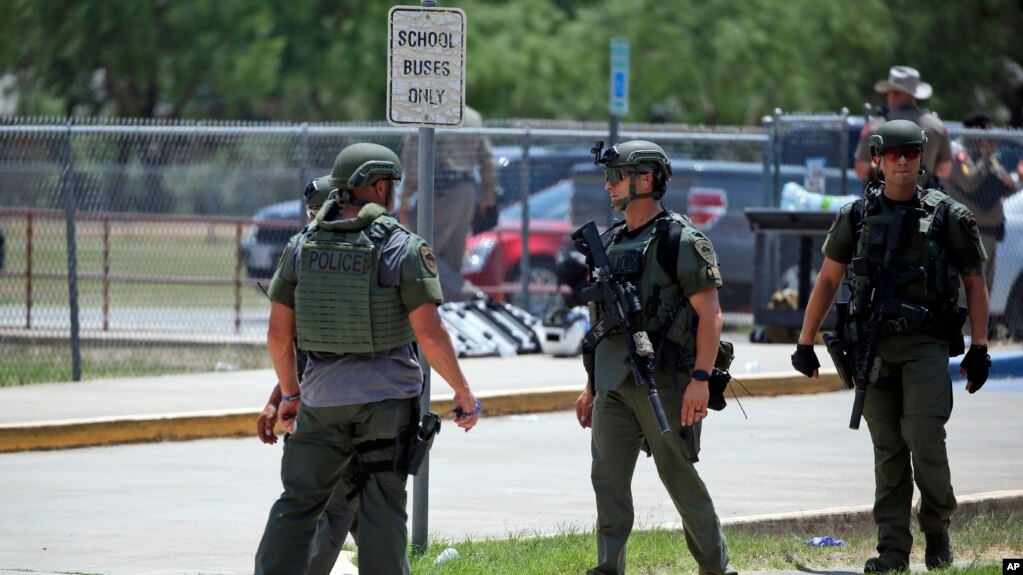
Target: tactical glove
column 805, row 359
column 977, row 364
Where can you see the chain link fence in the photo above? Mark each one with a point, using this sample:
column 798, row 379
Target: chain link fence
column 163, row 231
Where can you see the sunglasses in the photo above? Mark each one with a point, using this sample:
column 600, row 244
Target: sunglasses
column 910, row 152
column 615, row 175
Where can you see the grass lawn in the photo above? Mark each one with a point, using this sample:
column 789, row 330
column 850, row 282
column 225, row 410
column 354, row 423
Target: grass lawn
column 982, row 543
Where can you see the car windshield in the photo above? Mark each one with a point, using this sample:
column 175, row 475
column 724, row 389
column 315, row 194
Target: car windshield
column 550, row 204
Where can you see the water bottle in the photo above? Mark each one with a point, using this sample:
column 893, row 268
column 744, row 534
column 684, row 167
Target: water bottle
column 446, row 555
column 795, row 197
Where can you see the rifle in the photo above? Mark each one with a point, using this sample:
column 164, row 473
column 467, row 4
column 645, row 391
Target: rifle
column 620, row 303
column 881, row 301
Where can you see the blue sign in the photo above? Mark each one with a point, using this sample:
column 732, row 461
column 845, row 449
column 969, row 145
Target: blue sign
column 619, row 93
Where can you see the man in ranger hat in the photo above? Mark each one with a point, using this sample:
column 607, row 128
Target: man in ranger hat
column 675, row 271
column 909, row 396
column 902, row 90
column 357, row 290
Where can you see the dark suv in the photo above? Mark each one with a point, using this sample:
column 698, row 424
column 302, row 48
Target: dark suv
column 263, row 245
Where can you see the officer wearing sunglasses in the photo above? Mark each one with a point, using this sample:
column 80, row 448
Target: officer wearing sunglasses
column 909, row 396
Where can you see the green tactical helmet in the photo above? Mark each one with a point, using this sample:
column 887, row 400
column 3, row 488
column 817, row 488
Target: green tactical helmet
column 636, row 152
column 894, row 134
column 316, row 192
column 360, row 165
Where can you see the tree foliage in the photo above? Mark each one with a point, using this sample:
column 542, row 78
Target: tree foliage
column 695, row 61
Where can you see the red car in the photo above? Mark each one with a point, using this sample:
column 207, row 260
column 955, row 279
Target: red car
column 492, row 259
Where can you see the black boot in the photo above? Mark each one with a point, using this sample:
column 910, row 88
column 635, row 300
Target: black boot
column 938, row 553
column 887, row 561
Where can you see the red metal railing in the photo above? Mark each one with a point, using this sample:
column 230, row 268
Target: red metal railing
column 29, row 273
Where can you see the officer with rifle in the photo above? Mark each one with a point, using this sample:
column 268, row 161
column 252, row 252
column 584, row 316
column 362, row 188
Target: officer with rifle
column 650, row 354
column 907, row 248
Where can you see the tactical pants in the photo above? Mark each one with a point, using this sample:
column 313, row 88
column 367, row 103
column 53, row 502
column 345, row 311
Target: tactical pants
column 621, row 420
column 314, row 457
column 907, row 427
column 991, row 247
column 454, row 207
column 338, row 519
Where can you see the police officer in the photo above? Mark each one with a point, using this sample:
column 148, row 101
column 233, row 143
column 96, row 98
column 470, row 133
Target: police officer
column 340, row 514
column 902, row 90
column 980, row 182
column 679, row 270
column 458, row 196
column 357, row 290
column 909, row 398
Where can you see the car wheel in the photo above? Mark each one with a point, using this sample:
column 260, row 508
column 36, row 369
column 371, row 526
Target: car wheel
column 541, row 271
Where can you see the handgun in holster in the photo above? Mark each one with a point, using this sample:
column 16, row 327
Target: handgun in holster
column 422, row 441
column 839, row 349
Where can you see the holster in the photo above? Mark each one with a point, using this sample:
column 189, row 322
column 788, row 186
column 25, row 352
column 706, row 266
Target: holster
column 422, row 441
column 956, row 318
column 843, row 359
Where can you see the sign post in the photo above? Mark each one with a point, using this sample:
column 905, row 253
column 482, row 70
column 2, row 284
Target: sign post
column 425, row 89
column 618, row 101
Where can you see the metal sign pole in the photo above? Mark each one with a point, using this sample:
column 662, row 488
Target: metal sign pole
column 67, row 182
column 424, row 227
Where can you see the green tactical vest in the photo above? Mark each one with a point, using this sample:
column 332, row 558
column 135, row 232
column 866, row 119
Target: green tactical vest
column 339, row 305
column 659, row 293
column 940, row 284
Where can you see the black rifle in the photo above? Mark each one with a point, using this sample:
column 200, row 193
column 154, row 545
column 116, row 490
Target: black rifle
column 619, row 301
column 881, row 300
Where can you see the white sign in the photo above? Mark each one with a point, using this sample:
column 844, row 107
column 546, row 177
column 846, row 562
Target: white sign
column 620, row 53
column 426, row 66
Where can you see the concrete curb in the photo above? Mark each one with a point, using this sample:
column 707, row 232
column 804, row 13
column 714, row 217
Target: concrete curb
column 844, row 519
column 69, row 434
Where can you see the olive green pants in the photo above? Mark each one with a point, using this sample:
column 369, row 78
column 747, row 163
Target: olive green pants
column 338, row 519
column 314, row 459
column 906, row 418
column 622, row 419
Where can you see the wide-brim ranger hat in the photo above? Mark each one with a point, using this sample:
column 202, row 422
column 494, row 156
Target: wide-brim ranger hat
column 907, row 80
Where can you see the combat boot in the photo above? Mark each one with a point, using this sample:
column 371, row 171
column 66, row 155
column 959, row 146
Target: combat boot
column 938, row 553
column 887, row 561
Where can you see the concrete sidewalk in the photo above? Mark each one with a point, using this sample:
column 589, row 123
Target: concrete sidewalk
column 225, row 404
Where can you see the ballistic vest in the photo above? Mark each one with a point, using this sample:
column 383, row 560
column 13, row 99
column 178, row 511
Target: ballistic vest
column 634, row 260
column 340, row 306
column 938, row 287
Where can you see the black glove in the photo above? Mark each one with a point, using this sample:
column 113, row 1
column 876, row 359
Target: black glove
column 977, row 364
column 805, row 359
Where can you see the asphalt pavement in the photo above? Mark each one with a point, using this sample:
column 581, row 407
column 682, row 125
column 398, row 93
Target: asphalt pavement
column 200, row 506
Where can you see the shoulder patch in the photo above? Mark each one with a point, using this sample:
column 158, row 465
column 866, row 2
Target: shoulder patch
column 706, row 251
column 970, row 223
column 429, row 260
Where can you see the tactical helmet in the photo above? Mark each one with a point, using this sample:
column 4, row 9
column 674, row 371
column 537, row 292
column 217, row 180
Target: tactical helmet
column 316, row 192
column 639, row 152
column 363, row 164
column 894, row 134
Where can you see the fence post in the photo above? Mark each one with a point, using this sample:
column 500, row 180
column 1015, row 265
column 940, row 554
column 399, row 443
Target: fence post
column 238, row 277
column 67, row 186
column 106, row 274
column 525, row 267
column 28, row 271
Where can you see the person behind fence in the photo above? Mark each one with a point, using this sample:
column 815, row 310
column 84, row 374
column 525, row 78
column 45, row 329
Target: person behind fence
column 457, row 195
column 908, row 248
column 980, row 182
column 675, row 270
column 903, row 89
column 339, row 515
column 358, row 290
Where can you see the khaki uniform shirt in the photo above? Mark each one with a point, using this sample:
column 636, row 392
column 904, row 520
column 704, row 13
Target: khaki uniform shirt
column 972, row 179
column 936, row 148
column 454, row 154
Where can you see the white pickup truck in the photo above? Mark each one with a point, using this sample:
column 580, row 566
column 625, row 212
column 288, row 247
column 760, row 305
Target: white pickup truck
column 1007, row 291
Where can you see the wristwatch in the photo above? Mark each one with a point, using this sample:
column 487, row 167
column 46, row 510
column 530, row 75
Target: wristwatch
column 701, row 375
